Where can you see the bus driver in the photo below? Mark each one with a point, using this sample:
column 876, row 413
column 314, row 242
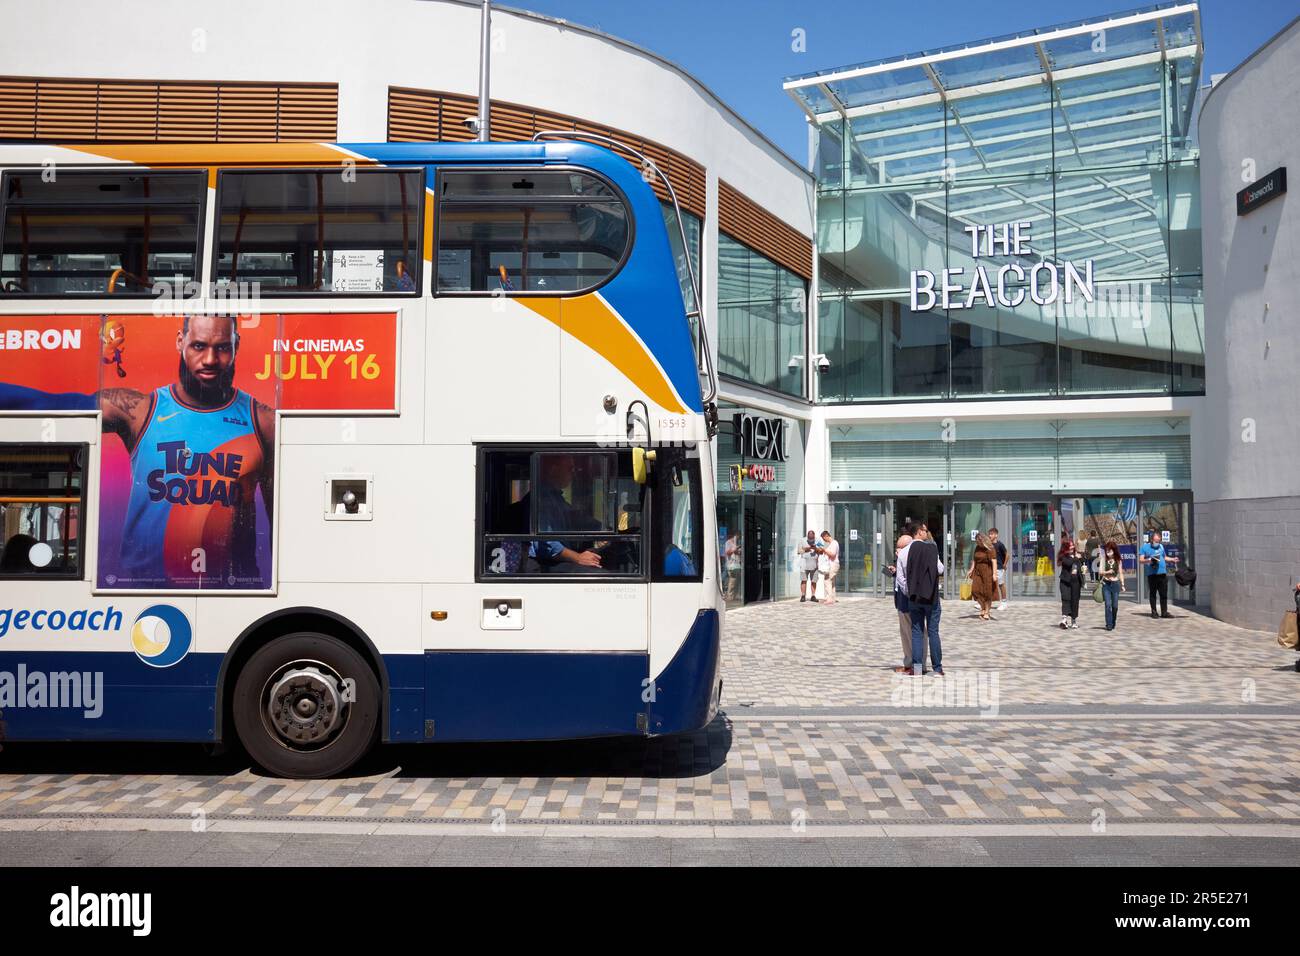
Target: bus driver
column 555, row 514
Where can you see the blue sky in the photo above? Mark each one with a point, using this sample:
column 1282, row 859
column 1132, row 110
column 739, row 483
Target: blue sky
column 741, row 49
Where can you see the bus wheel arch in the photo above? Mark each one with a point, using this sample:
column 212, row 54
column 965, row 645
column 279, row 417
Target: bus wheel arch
column 281, row 623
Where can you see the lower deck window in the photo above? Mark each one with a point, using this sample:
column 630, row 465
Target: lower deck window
column 42, row 510
column 560, row 512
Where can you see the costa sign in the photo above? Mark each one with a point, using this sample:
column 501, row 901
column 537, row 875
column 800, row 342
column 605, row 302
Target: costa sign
column 762, row 438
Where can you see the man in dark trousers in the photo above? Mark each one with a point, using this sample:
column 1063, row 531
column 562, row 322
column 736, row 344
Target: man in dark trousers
column 923, row 571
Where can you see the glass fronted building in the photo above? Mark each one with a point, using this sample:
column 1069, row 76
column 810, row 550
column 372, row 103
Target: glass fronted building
column 1008, row 292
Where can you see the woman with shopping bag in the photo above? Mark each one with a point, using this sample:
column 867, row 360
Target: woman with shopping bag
column 981, row 575
column 1112, row 581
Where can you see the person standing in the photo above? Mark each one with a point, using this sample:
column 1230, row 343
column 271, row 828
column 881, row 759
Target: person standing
column 828, row 563
column 1092, row 552
column 1112, row 581
column 1071, row 565
column 1153, row 555
column 731, row 562
column 999, row 568
column 924, row 568
column 899, row 571
column 808, row 552
column 981, row 573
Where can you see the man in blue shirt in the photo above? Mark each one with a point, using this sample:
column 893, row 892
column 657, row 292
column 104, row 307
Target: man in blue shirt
column 555, row 514
column 1154, row 557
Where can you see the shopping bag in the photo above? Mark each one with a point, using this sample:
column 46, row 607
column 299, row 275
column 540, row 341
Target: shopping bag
column 1098, row 594
column 1287, row 633
column 968, row 591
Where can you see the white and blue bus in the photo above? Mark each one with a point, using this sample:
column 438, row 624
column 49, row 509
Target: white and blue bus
column 323, row 445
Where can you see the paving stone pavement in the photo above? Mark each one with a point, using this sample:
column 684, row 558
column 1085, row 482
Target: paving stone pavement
column 1188, row 721
column 814, row 655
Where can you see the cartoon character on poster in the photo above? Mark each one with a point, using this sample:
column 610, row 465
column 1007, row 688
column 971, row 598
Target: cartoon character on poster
column 188, row 459
column 114, row 338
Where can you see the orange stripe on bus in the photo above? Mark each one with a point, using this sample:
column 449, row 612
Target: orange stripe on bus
column 589, row 320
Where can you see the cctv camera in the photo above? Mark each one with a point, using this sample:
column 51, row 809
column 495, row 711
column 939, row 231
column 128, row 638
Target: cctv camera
column 823, row 363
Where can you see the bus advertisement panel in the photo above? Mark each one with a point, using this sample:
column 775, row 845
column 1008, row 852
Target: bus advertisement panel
column 187, row 462
column 188, row 405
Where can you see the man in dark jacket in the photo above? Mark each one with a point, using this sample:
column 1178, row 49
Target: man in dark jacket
column 923, row 570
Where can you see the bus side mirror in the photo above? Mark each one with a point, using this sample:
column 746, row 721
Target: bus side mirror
column 642, row 462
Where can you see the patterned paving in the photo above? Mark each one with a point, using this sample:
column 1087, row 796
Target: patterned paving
column 813, row 655
column 1185, row 720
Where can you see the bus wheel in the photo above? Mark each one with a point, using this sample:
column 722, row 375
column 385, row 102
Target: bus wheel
column 306, row 705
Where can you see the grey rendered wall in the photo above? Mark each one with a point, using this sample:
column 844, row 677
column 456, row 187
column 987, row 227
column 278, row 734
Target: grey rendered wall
column 1246, row 447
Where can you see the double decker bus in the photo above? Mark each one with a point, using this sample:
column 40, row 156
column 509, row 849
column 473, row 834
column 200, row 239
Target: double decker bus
column 322, row 445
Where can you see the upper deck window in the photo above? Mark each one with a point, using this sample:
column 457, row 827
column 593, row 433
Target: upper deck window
column 528, row 231
column 72, row 232
column 341, row 231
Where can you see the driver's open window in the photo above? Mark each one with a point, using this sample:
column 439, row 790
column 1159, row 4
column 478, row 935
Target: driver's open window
column 101, row 232
column 559, row 512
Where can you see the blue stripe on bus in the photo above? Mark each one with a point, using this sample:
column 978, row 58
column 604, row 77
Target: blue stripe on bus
column 686, row 692
column 138, row 702
column 469, row 695
column 500, row 695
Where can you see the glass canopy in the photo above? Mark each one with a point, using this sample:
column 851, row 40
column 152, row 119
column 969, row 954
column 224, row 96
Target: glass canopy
column 1111, row 92
column 1083, row 134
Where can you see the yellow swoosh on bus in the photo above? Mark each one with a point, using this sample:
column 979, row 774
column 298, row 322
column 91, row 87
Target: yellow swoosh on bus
column 142, row 637
column 590, row 320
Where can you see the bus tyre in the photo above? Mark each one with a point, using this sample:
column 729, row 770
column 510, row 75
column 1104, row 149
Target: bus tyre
column 306, row 705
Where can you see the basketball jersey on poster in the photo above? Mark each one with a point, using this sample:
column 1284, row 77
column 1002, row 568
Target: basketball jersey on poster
column 194, row 475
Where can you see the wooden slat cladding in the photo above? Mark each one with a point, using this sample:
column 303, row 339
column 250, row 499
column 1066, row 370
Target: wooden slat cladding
column 746, row 221
column 428, row 115
column 43, row 109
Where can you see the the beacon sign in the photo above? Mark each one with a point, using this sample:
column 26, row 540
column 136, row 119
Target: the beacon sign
column 1043, row 284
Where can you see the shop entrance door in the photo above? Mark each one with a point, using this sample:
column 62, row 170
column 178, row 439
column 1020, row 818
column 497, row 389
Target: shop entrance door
column 1171, row 516
column 1094, row 520
column 1032, row 540
column 969, row 518
column 936, row 513
column 759, row 544
column 855, row 526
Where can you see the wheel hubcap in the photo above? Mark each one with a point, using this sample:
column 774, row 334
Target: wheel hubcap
column 304, row 706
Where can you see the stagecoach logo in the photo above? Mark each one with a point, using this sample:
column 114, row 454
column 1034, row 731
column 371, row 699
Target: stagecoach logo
column 759, row 437
column 1045, row 283
column 161, row 635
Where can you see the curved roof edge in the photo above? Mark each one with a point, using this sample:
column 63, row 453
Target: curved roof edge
column 643, row 51
column 1240, row 66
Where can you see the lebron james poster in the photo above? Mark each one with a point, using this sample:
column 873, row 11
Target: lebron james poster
column 188, row 407
column 187, row 466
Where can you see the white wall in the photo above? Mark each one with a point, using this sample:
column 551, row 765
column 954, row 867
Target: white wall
column 1252, row 281
column 430, row 44
column 1246, row 444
